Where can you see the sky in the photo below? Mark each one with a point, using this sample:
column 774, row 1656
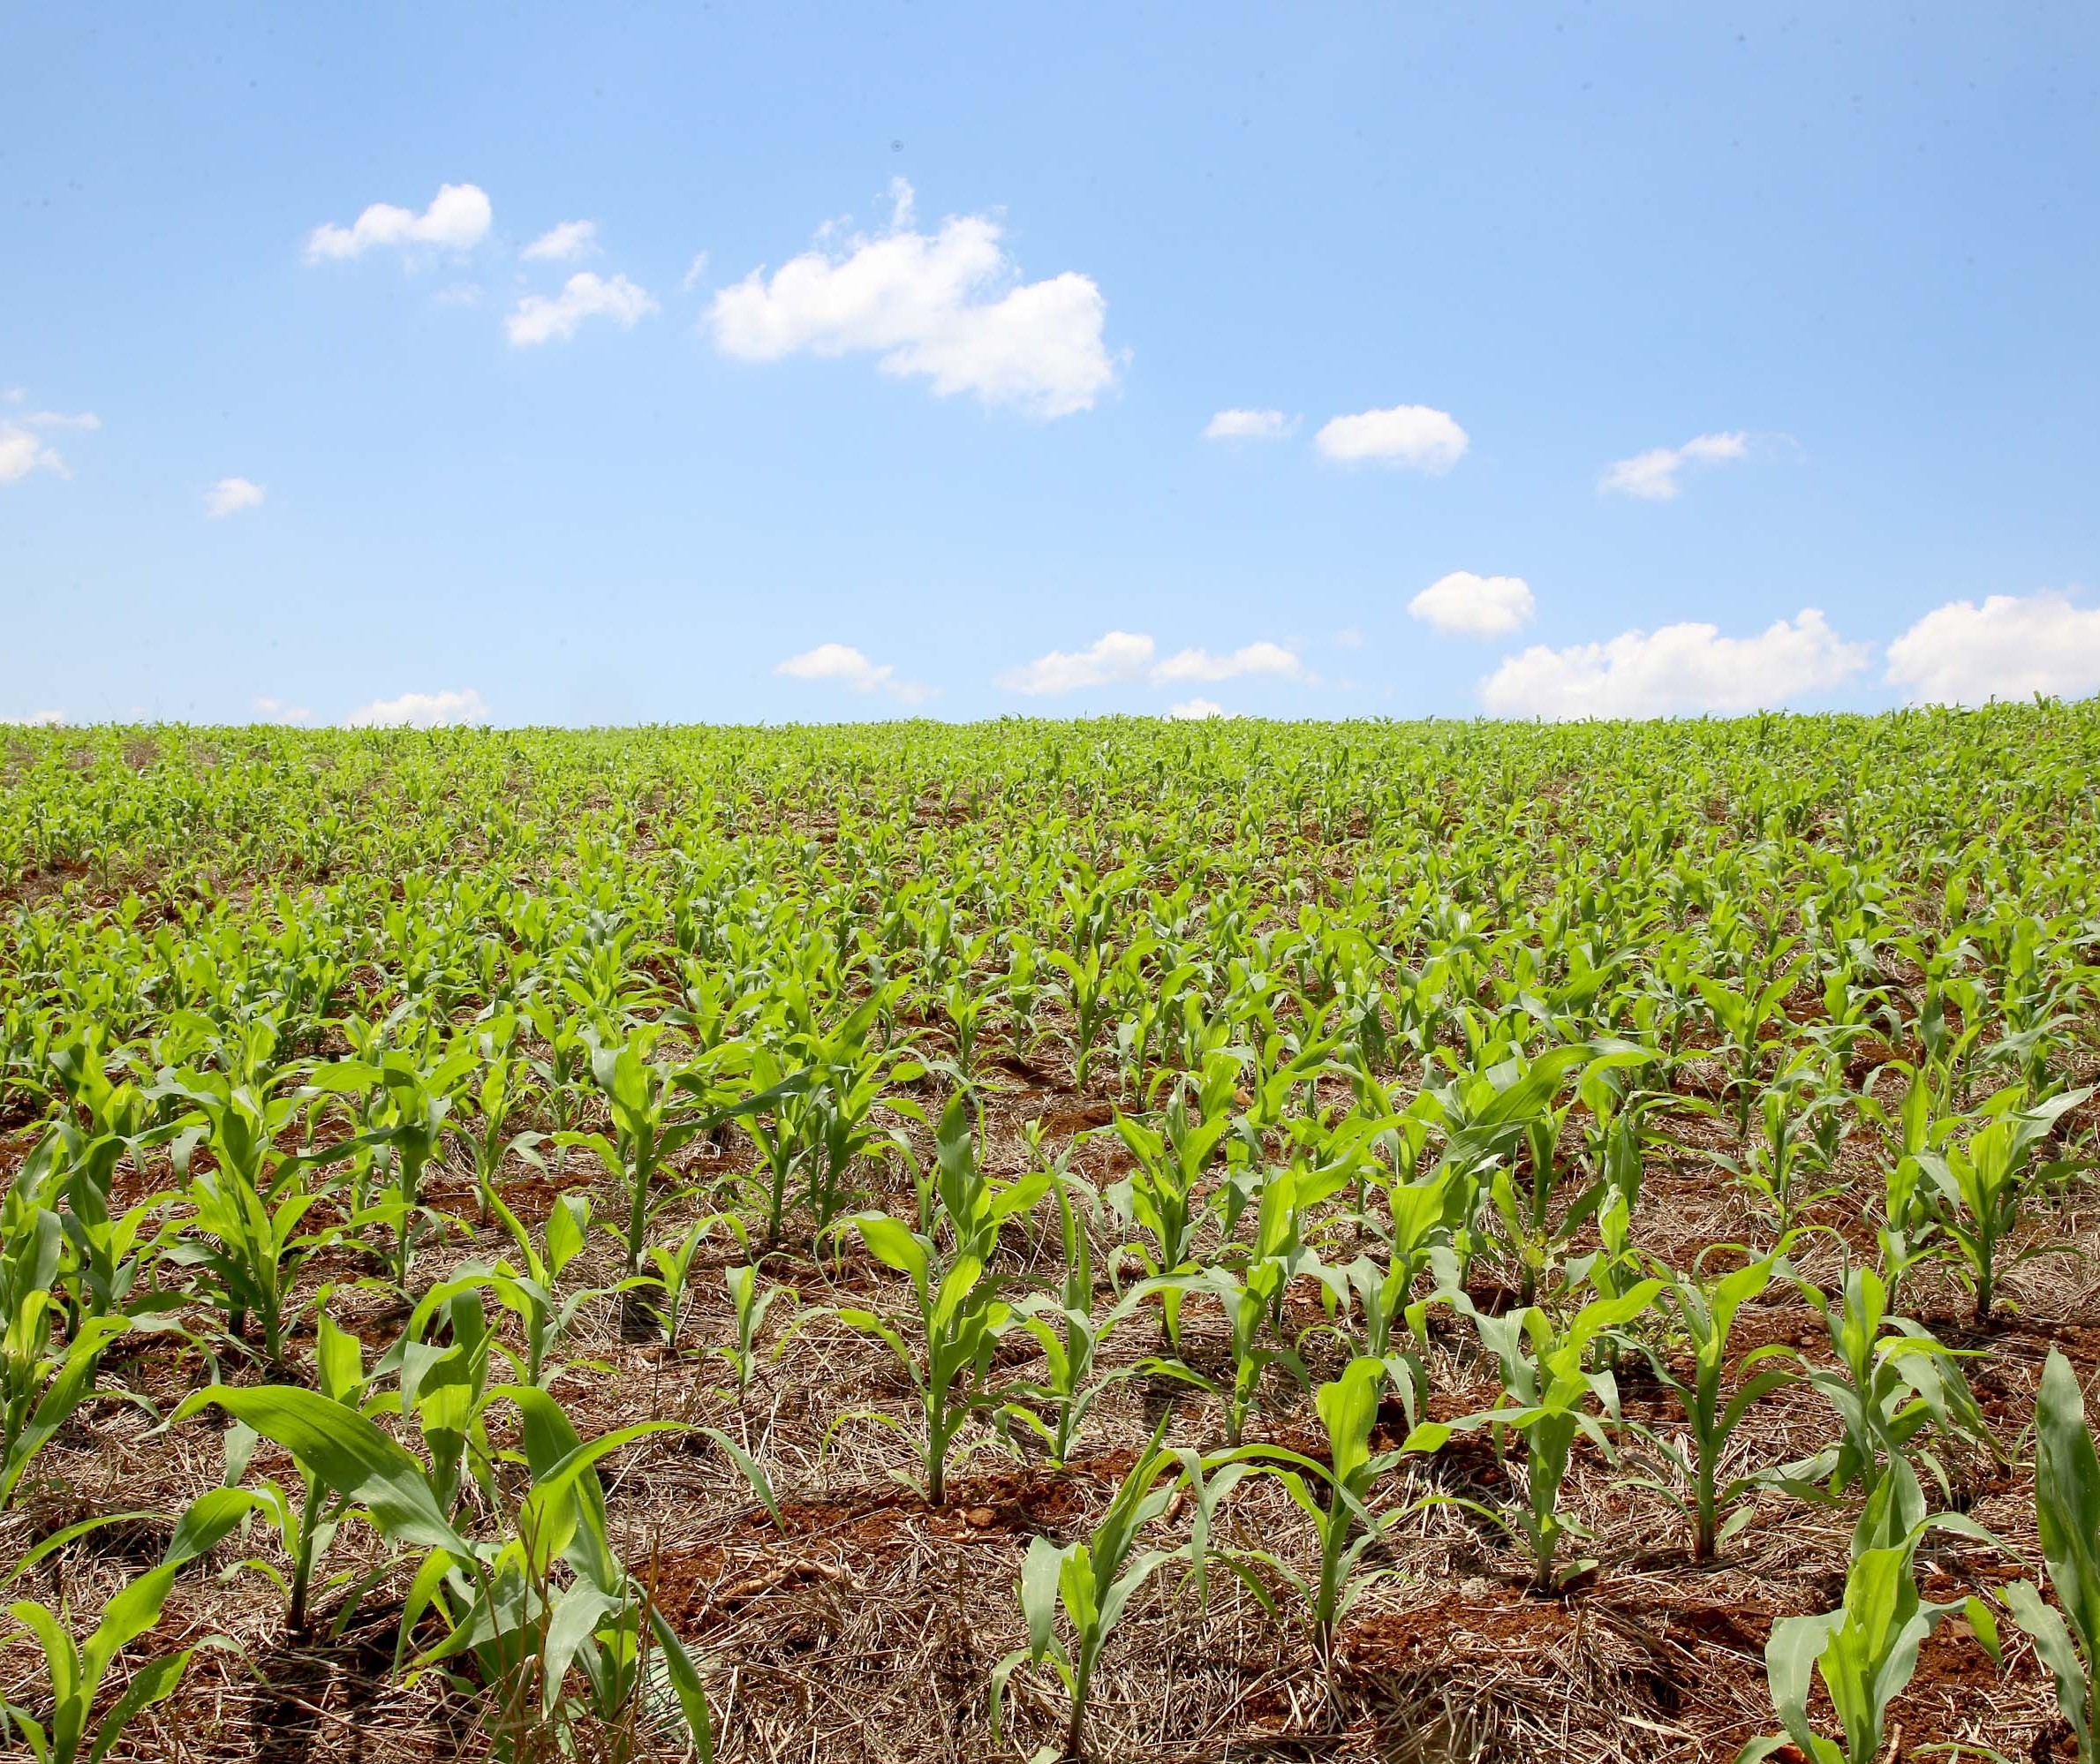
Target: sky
column 531, row 365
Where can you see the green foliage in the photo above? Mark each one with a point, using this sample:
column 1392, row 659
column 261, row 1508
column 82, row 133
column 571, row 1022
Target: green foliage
column 1548, row 1387
column 1091, row 1582
column 2068, row 1510
column 1323, row 1025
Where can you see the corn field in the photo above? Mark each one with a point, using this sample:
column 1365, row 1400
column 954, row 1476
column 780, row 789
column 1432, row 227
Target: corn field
column 1120, row 1241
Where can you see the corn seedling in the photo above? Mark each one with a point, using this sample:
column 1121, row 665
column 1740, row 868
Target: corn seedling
column 1548, row 1388
column 2067, row 1635
column 1717, row 1397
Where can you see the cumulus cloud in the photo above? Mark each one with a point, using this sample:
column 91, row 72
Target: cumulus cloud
column 1462, row 604
column 420, row 710
column 1408, row 434
column 1676, row 670
column 23, row 449
column 2011, row 646
column 1249, row 426
column 457, row 219
column 564, row 243
column 1190, row 665
column 1196, row 711
column 37, row 720
column 229, row 497
column 1652, row 476
column 585, row 294
column 1117, row 655
column 276, row 710
column 949, row 306
column 843, row 665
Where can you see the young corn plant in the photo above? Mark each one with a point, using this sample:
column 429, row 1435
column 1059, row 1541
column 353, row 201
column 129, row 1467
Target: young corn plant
column 750, row 1302
column 499, row 1097
column 244, row 1230
column 1979, row 1186
column 1782, row 1168
column 75, row 1672
column 1891, row 1380
column 304, row 1522
column 416, row 1120
column 1743, row 1018
column 648, row 1129
column 1422, row 1216
column 961, row 1317
column 531, row 1291
column 1071, row 1336
column 2067, row 1511
column 1717, row 1396
column 1089, row 990
column 1252, row 1296
column 1091, row 1581
column 1539, row 1217
column 1162, row 1196
column 1548, row 1389
column 1336, row 1496
column 1864, row 1652
column 837, row 1129
column 547, row 1596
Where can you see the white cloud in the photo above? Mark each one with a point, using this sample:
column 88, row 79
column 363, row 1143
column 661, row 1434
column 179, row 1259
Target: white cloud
column 1196, row 711
column 1349, row 637
column 37, row 720
column 276, row 710
column 1465, row 605
column 1254, row 657
column 23, row 450
column 564, row 243
column 1652, row 476
column 22, row 453
column 842, row 664
column 696, row 272
column 1249, row 426
column 585, row 294
column 229, row 497
column 1408, row 434
column 1118, row 655
column 2011, row 646
column 1127, row 655
column 1676, row 670
column 456, row 219
column 420, row 710
column 948, row 306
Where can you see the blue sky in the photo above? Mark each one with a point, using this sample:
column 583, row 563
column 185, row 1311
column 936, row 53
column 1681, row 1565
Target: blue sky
column 1688, row 358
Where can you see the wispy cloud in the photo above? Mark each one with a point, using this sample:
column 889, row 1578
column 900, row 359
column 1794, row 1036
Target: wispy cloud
column 1249, row 426
column 564, row 243
column 231, row 496
column 23, row 445
column 1652, row 476
column 585, row 294
column 1121, row 656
